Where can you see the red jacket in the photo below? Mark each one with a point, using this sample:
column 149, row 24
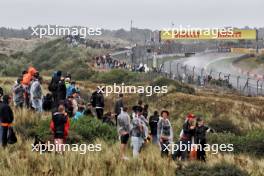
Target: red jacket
column 55, row 124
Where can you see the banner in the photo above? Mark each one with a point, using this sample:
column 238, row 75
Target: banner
column 244, row 50
column 208, row 34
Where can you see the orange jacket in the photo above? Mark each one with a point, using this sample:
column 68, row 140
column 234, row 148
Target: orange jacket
column 27, row 77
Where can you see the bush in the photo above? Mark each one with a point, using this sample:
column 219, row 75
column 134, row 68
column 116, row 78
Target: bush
column 85, row 129
column 90, row 129
column 252, row 143
column 179, row 87
column 116, row 76
column 224, row 125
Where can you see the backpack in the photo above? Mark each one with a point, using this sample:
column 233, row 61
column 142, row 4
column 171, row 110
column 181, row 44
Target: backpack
column 47, row 102
column 52, row 85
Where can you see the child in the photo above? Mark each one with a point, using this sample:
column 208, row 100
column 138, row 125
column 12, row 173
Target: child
column 200, row 138
column 60, row 127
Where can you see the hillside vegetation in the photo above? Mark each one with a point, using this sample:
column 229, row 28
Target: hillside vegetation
column 53, row 55
column 237, row 120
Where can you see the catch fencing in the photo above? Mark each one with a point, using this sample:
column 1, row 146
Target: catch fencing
column 248, row 85
column 245, row 85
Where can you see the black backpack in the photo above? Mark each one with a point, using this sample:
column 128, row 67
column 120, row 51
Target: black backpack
column 47, row 102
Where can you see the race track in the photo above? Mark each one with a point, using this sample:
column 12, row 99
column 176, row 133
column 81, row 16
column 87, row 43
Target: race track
column 219, row 65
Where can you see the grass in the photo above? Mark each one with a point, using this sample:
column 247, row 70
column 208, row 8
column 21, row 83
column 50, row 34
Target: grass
column 237, row 119
column 20, row 160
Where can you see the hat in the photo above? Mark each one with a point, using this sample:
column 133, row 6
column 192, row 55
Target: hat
column 191, row 116
column 67, row 79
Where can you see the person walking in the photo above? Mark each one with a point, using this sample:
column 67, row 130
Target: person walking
column 123, row 127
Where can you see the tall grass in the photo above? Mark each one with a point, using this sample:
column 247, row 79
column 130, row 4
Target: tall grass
column 243, row 114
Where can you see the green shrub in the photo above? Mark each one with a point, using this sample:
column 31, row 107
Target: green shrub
column 252, row 143
column 117, row 76
column 179, row 87
column 90, row 129
column 85, row 129
column 224, row 125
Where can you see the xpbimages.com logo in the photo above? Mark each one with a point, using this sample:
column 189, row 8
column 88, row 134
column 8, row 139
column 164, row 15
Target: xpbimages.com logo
column 188, row 146
column 123, row 89
column 56, row 30
column 81, row 148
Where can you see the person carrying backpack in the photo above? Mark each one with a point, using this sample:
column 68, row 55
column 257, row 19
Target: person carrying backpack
column 59, row 126
column 6, row 118
column 153, row 123
column 165, row 132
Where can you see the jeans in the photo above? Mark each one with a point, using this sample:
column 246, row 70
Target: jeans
column 37, row 104
column 3, row 135
column 136, row 144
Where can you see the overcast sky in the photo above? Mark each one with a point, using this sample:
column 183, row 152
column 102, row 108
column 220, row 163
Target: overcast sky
column 114, row 14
